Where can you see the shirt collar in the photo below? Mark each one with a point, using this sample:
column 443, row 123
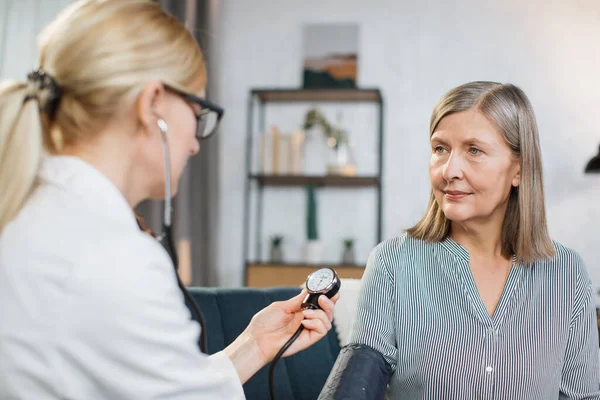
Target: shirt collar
column 92, row 187
column 455, row 249
column 460, row 252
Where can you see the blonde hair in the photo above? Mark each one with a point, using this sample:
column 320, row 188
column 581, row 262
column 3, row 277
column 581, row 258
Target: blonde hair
column 524, row 231
column 101, row 53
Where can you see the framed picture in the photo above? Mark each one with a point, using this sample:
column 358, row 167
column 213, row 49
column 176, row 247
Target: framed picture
column 330, row 56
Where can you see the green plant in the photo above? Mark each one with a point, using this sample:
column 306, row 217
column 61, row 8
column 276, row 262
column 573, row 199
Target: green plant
column 276, row 240
column 315, row 117
column 311, row 213
column 348, row 243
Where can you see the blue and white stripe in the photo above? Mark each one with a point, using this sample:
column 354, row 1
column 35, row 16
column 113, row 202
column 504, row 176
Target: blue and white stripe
column 419, row 306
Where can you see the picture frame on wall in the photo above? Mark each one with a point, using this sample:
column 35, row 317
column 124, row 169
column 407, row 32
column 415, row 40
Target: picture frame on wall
column 330, row 56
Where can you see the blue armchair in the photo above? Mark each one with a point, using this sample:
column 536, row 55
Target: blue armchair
column 227, row 312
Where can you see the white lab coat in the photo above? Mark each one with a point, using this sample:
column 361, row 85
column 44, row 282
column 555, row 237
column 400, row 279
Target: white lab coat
column 89, row 304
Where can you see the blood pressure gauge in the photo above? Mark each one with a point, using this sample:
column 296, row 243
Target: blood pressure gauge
column 324, row 281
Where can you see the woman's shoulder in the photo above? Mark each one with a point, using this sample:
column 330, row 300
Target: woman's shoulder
column 55, row 223
column 566, row 268
column 565, row 258
column 399, row 251
column 402, row 245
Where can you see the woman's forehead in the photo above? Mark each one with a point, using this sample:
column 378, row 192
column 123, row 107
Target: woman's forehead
column 467, row 125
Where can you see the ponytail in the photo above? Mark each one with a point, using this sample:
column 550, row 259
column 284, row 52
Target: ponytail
column 98, row 58
column 21, row 148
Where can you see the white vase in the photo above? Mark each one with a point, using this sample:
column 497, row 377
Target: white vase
column 313, row 252
column 276, row 254
column 314, row 152
column 341, row 159
column 348, row 256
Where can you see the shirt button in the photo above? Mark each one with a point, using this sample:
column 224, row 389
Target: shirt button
column 489, row 369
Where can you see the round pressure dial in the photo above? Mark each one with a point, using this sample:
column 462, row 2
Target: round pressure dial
column 323, row 281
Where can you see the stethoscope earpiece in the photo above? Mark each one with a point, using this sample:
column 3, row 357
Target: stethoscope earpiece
column 164, row 129
column 162, row 125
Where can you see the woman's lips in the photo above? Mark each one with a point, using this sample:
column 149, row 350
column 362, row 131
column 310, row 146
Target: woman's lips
column 455, row 194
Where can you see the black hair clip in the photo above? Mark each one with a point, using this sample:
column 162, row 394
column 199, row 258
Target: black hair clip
column 44, row 82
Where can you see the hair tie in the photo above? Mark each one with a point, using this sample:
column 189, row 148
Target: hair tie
column 44, row 89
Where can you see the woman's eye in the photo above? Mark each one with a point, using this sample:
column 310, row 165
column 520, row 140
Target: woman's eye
column 474, row 150
column 439, row 149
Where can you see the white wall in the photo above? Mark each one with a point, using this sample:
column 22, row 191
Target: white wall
column 416, row 51
column 20, row 23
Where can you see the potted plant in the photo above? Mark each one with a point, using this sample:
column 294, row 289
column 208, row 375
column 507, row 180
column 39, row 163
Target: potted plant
column 276, row 250
column 313, row 249
column 315, row 117
column 340, row 160
column 348, row 254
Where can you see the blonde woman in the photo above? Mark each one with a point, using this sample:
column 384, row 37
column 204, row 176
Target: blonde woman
column 89, row 304
column 475, row 301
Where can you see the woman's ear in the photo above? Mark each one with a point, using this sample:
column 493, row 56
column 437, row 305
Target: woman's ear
column 147, row 102
column 516, row 181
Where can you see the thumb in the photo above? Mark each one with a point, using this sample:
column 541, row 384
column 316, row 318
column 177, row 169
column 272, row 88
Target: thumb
column 293, row 304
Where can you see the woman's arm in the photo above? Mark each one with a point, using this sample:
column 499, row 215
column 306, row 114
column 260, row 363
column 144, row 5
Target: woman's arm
column 137, row 340
column 580, row 377
column 365, row 366
column 359, row 373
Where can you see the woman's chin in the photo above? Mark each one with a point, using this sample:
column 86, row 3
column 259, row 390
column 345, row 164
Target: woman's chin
column 456, row 213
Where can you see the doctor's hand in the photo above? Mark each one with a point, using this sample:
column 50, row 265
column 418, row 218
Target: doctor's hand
column 273, row 326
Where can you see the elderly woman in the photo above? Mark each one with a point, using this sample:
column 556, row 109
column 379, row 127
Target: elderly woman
column 475, row 301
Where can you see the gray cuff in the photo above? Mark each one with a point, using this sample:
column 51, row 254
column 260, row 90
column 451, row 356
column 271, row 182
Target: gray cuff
column 359, row 373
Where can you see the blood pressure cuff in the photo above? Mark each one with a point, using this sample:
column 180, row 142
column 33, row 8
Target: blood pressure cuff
column 359, row 373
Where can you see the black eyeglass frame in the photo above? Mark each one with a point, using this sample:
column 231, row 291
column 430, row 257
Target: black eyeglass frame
column 205, row 104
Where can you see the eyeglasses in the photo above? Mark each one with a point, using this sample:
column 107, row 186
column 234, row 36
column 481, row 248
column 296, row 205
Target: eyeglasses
column 209, row 117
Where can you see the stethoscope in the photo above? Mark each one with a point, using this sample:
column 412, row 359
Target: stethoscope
column 166, row 238
column 324, row 281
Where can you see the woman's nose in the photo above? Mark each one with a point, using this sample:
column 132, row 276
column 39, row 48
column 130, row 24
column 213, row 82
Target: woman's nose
column 453, row 168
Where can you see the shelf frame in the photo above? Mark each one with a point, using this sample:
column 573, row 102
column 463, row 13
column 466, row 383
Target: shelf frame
column 291, row 95
column 326, row 180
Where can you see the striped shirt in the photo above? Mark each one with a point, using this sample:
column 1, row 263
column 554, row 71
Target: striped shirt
column 420, row 308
